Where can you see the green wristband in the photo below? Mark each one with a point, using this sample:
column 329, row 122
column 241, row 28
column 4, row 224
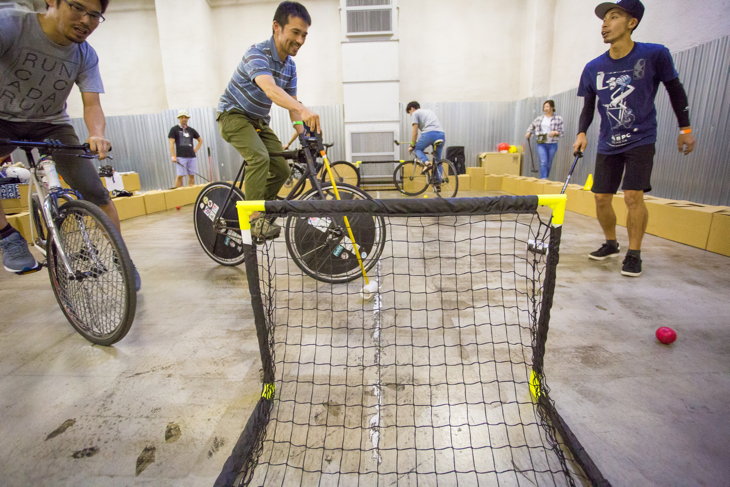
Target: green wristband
column 298, row 122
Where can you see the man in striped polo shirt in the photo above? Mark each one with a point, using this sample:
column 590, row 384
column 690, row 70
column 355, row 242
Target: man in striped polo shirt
column 266, row 74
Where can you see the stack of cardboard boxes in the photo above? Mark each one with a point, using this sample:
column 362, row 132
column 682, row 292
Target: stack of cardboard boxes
column 138, row 204
column 703, row 226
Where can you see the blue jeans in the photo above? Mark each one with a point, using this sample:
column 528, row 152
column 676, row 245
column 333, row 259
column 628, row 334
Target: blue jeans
column 426, row 139
column 546, row 154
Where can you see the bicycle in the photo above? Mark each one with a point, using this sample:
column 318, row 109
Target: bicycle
column 89, row 266
column 414, row 177
column 323, row 248
column 343, row 171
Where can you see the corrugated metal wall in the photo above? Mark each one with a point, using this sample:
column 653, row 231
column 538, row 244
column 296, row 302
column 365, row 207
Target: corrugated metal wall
column 140, row 142
column 703, row 176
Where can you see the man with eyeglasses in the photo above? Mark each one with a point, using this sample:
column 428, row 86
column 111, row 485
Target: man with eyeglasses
column 42, row 55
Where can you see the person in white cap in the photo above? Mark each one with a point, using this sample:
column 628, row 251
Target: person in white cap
column 625, row 80
column 182, row 152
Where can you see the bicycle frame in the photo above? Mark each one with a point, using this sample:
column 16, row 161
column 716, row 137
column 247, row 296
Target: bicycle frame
column 49, row 205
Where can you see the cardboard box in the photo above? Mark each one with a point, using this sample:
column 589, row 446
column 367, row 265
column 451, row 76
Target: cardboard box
column 510, row 184
column 130, row 206
column 682, row 221
column 531, row 186
column 154, row 201
column 552, row 187
column 130, row 181
column 580, row 201
column 16, row 205
column 476, row 174
column 182, row 196
column 493, row 182
column 500, row 163
column 719, row 238
column 464, row 182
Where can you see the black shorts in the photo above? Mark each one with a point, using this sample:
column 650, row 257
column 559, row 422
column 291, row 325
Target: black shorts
column 634, row 166
column 79, row 173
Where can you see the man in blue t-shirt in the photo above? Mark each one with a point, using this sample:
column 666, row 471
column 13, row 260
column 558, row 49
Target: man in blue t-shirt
column 266, row 74
column 625, row 80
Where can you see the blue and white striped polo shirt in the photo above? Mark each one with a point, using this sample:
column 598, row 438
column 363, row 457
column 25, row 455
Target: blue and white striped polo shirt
column 245, row 95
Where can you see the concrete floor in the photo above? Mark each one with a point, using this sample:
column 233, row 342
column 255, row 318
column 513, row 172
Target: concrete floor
column 165, row 405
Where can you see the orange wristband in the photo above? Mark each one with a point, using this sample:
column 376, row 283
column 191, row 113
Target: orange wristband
column 685, row 131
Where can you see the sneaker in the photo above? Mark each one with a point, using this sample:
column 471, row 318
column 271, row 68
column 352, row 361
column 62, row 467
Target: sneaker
column 137, row 278
column 263, row 229
column 607, row 250
column 632, row 266
column 16, row 255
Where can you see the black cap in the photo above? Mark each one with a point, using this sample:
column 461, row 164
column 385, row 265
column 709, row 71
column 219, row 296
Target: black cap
column 633, row 7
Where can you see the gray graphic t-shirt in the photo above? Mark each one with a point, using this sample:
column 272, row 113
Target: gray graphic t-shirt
column 36, row 74
column 426, row 120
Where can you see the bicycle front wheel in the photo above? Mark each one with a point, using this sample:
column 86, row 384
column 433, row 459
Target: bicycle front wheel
column 321, row 246
column 215, row 219
column 409, row 178
column 445, row 179
column 98, row 297
column 343, row 172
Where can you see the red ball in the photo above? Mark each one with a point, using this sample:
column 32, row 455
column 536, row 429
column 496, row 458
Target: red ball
column 177, row 207
column 666, row 335
column 504, row 146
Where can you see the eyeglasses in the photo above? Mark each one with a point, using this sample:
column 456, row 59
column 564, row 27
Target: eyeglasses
column 79, row 11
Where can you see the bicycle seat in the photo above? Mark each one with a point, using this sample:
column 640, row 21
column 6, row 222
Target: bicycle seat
column 437, row 142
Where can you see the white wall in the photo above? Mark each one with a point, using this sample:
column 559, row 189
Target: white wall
column 678, row 24
column 130, row 64
column 460, row 50
column 319, row 69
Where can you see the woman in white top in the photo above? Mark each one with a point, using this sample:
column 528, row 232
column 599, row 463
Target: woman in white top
column 548, row 127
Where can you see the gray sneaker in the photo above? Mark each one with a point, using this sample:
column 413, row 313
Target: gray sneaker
column 607, row 250
column 16, row 255
column 631, row 266
column 263, row 229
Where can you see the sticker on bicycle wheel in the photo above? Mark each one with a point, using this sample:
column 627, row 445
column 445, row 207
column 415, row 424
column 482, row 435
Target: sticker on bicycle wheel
column 321, row 224
column 211, row 210
column 235, row 236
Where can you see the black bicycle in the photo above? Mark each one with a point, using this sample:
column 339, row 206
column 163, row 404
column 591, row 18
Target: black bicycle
column 323, row 248
column 414, row 177
column 88, row 264
column 343, row 172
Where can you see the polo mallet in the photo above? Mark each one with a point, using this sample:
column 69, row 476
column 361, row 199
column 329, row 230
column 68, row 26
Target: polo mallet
column 371, row 285
column 532, row 158
column 201, row 177
column 540, row 246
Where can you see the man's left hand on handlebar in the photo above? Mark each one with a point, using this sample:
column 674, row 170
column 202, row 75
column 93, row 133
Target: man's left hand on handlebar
column 100, row 145
column 311, row 119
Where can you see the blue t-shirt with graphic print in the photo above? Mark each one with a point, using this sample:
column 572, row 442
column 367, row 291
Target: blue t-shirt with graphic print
column 626, row 89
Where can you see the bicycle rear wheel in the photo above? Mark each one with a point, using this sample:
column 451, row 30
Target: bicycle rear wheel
column 409, row 178
column 98, row 297
column 445, row 179
column 215, row 219
column 321, row 247
column 343, row 172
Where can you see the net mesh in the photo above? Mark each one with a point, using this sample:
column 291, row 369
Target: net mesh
column 427, row 383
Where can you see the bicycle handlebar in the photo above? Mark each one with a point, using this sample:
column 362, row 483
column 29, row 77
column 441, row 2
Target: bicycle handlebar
column 49, row 144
